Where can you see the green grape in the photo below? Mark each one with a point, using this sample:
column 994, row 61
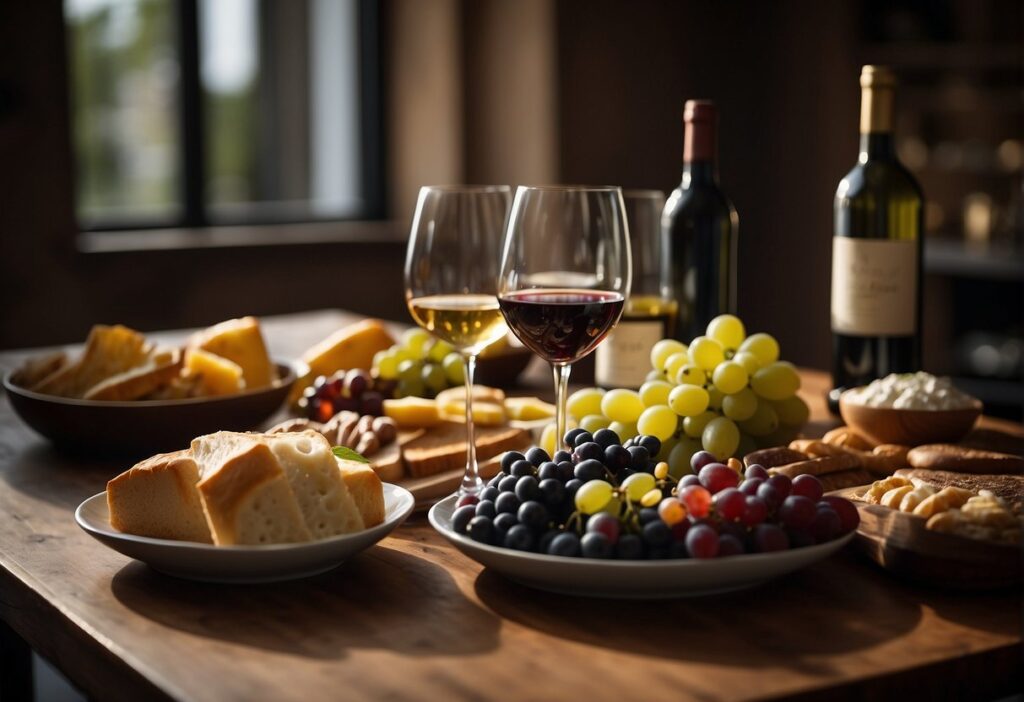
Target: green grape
column 625, row 430
column 727, row 330
column 763, row 422
column 776, row 381
column 584, row 402
column 694, row 426
column 763, row 346
column 438, row 350
column 748, row 360
column 748, row 445
column 416, row 340
column 403, row 354
column 679, row 458
column 721, row 437
column 715, row 398
column 415, row 387
column 434, row 378
column 674, row 362
column 386, row 365
column 662, row 350
column 454, row 368
column 793, row 411
column 706, row 353
column 659, row 421
column 741, row 405
column 622, row 405
column 655, row 375
column 666, row 447
column 730, row 377
column 635, row 486
column 593, row 422
column 593, row 495
column 691, row 375
column 409, row 370
column 547, row 439
column 688, row 400
column 655, row 392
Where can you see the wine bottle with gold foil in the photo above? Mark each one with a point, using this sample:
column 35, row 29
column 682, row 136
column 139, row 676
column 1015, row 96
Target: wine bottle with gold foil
column 876, row 252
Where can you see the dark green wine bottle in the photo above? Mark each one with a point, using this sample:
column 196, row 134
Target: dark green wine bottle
column 876, row 252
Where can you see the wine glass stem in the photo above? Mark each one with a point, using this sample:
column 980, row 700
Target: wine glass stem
column 471, row 482
column 561, row 373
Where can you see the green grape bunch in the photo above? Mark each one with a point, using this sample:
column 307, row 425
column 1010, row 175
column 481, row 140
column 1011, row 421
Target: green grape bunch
column 726, row 393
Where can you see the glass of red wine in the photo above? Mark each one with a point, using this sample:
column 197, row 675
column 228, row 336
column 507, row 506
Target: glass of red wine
column 565, row 274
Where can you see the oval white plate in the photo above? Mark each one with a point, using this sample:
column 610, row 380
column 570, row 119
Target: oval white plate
column 631, row 579
column 242, row 564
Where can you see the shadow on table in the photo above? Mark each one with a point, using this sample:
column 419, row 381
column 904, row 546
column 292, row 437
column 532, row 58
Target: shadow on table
column 43, row 472
column 788, row 623
column 381, row 599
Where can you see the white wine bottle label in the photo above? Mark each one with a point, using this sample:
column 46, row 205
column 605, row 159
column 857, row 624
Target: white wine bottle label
column 623, row 360
column 874, row 286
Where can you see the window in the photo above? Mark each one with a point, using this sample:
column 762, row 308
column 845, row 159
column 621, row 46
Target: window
column 196, row 112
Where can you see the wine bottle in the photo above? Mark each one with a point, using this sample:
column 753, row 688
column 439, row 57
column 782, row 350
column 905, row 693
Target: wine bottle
column 876, row 252
column 623, row 360
column 701, row 227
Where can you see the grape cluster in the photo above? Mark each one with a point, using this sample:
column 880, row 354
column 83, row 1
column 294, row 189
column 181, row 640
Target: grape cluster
column 606, row 499
column 726, row 393
column 420, row 365
column 354, row 391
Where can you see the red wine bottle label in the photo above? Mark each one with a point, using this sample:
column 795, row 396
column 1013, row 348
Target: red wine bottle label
column 874, row 286
column 623, row 360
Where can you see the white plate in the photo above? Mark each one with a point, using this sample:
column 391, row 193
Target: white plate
column 631, row 579
column 242, row 564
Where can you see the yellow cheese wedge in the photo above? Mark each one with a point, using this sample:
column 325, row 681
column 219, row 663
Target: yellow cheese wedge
column 485, row 414
column 412, row 412
column 527, row 409
column 350, row 347
column 216, row 375
column 240, row 341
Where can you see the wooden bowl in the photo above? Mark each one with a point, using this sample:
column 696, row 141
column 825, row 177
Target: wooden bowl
column 910, row 427
column 142, row 427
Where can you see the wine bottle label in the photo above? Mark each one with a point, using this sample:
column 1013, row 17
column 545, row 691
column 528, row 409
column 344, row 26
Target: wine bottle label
column 874, row 286
column 623, row 360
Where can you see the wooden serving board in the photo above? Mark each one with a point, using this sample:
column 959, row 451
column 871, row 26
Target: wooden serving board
column 900, row 542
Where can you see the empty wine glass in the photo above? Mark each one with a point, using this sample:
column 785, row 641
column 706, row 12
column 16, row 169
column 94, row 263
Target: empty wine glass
column 565, row 274
column 450, row 277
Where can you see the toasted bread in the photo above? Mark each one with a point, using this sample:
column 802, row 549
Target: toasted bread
column 108, row 352
column 964, row 460
column 241, row 342
column 444, row 447
column 160, row 370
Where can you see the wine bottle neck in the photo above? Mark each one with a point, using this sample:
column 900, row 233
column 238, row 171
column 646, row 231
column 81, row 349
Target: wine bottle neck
column 699, row 172
column 700, row 118
column 877, row 146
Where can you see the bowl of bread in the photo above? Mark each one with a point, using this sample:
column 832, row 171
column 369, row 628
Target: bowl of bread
column 125, row 394
column 245, row 507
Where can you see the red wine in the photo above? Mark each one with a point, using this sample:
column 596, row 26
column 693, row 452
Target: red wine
column 561, row 325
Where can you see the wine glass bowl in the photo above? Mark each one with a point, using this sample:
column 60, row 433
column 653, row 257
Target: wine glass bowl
column 565, row 273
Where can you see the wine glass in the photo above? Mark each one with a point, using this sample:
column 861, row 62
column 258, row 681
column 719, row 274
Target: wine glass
column 565, row 274
column 451, row 268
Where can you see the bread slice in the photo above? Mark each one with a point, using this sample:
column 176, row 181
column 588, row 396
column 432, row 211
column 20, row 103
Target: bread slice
column 35, row 370
column 158, row 498
column 162, row 368
column 245, row 493
column 387, row 463
column 444, row 447
column 108, row 351
column 964, row 460
column 366, row 489
column 1010, row 488
column 240, row 341
column 214, row 375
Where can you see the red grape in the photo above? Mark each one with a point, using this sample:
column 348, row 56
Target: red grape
column 826, row 525
column 767, row 492
column 679, row 530
column 782, row 485
column 797, row 512
column 357, row 381
column 701, row 459
column 755, row 511
column 696, row 499
column 717, row 477
column 756, row 470
column 605, row 523
column 808, row 486
column 688, row 480
column 750, row 485
column 467, row 500
column 849, row 518
column 729, row 545
column 769, row 537
column 702, row 541
column 671, row 511
column 730, row 504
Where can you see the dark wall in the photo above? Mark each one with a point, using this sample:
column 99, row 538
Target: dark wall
column 785, row 77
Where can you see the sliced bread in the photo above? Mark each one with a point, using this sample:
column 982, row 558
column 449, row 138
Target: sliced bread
column 246, row 494
column 158, row 498
column 158, row 371
column 444, row 447
column 366, row 489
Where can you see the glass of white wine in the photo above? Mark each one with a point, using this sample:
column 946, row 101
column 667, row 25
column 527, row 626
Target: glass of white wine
column 451, row 273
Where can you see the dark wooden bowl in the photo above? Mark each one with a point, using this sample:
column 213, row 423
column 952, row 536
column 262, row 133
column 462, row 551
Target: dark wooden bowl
column 138, row 428
column 909, row 427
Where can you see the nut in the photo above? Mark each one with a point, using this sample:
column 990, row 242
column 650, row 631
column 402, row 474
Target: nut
column 385, row 429
column 347, row 432
column 368, row 444
column 296, row 424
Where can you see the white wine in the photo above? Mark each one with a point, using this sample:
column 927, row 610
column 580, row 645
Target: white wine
column 876, row 252
column 467, row 322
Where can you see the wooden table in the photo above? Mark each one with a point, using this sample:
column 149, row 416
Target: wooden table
column 413, row 619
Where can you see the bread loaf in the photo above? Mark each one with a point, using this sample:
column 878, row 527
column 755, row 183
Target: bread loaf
column 158, row 498
column 245, row 494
